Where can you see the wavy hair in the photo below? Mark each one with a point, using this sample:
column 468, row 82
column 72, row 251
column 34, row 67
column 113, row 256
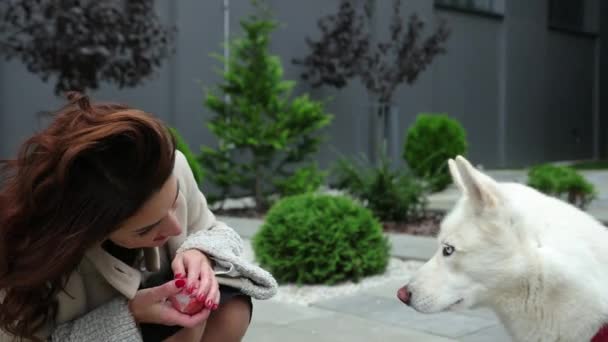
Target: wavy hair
column 70, row 186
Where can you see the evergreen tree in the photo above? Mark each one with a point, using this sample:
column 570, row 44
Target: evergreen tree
column 261, row 129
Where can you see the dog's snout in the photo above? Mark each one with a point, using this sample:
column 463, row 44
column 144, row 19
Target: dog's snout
column 404, row 295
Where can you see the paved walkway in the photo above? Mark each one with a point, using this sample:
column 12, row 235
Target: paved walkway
column 375, row 314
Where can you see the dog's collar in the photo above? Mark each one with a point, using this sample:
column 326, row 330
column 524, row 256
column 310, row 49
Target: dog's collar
column 602, row 335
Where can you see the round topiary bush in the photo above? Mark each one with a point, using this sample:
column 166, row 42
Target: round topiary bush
column 316, row 239
column 430, row 142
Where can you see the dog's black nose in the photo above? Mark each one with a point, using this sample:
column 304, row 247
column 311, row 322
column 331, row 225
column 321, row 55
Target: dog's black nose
column 404, row 295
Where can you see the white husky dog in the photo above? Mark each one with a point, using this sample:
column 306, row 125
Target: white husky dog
column 539, row 263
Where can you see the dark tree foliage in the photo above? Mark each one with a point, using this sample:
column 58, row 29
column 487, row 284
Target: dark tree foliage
column 347, row 49
column 81, row 43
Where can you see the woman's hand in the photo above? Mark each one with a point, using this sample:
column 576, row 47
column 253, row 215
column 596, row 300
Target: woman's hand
column 149, row 306
column 195, row 267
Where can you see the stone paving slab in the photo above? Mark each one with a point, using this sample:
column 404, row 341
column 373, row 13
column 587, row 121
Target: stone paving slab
column 274, row 322
column 391, row 312
column 348, row 328
column 412, row 247
column 388, row 290
column 449, row 324
column 269, row 311
column 246, row 227
column 268, row 332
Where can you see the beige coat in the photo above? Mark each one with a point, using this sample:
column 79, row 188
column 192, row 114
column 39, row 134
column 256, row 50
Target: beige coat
column 94, row 300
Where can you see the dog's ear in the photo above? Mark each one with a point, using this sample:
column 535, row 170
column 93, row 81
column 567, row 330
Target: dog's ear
column 481, row 189
column 456, row 175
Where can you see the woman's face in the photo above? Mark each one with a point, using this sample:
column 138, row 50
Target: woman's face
column 154, row 222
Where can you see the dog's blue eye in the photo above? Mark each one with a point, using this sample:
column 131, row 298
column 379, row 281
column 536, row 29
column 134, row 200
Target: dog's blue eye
column 448, row 250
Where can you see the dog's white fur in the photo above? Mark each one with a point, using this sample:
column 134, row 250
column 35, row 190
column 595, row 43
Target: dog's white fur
column 538, row 262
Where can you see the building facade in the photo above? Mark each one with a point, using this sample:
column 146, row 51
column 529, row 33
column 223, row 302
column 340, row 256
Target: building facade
column 523, row 77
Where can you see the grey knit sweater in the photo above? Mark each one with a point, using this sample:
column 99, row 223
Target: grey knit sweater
column 110, row 322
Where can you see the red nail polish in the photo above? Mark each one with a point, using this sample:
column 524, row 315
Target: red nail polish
column 179, row 276
column 180, row 283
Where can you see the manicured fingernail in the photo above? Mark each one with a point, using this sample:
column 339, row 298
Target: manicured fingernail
column 209, row 303
column 179, row 276
column 180, row 283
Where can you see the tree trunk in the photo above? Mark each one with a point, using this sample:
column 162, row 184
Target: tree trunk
column 384, row 133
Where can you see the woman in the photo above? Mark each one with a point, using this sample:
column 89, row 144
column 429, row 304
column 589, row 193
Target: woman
column 98, row 215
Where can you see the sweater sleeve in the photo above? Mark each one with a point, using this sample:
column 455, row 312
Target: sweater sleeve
column 221, row 243
column 109, row 322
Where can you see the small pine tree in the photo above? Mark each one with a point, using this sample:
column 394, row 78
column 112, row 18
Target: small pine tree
column 261, row 129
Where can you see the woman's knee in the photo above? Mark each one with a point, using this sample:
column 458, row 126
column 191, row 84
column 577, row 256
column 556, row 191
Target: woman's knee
column 236, row 312
column 230, row 322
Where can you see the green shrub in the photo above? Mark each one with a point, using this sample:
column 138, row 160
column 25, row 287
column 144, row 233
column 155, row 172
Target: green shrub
column 305, row 180
column 392, row 195
column 183, row 147
column 430, row 142
column 315, row 239
column 562, row 182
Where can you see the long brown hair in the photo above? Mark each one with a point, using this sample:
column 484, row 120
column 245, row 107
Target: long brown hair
column 70, row 186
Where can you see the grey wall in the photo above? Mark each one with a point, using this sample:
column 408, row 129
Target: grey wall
column 463, row 83
column 518, row 88
column 466, row 82
column 549, row 88
column 23, row 95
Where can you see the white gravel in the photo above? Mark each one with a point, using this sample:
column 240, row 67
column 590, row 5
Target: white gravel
column 306, row 294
